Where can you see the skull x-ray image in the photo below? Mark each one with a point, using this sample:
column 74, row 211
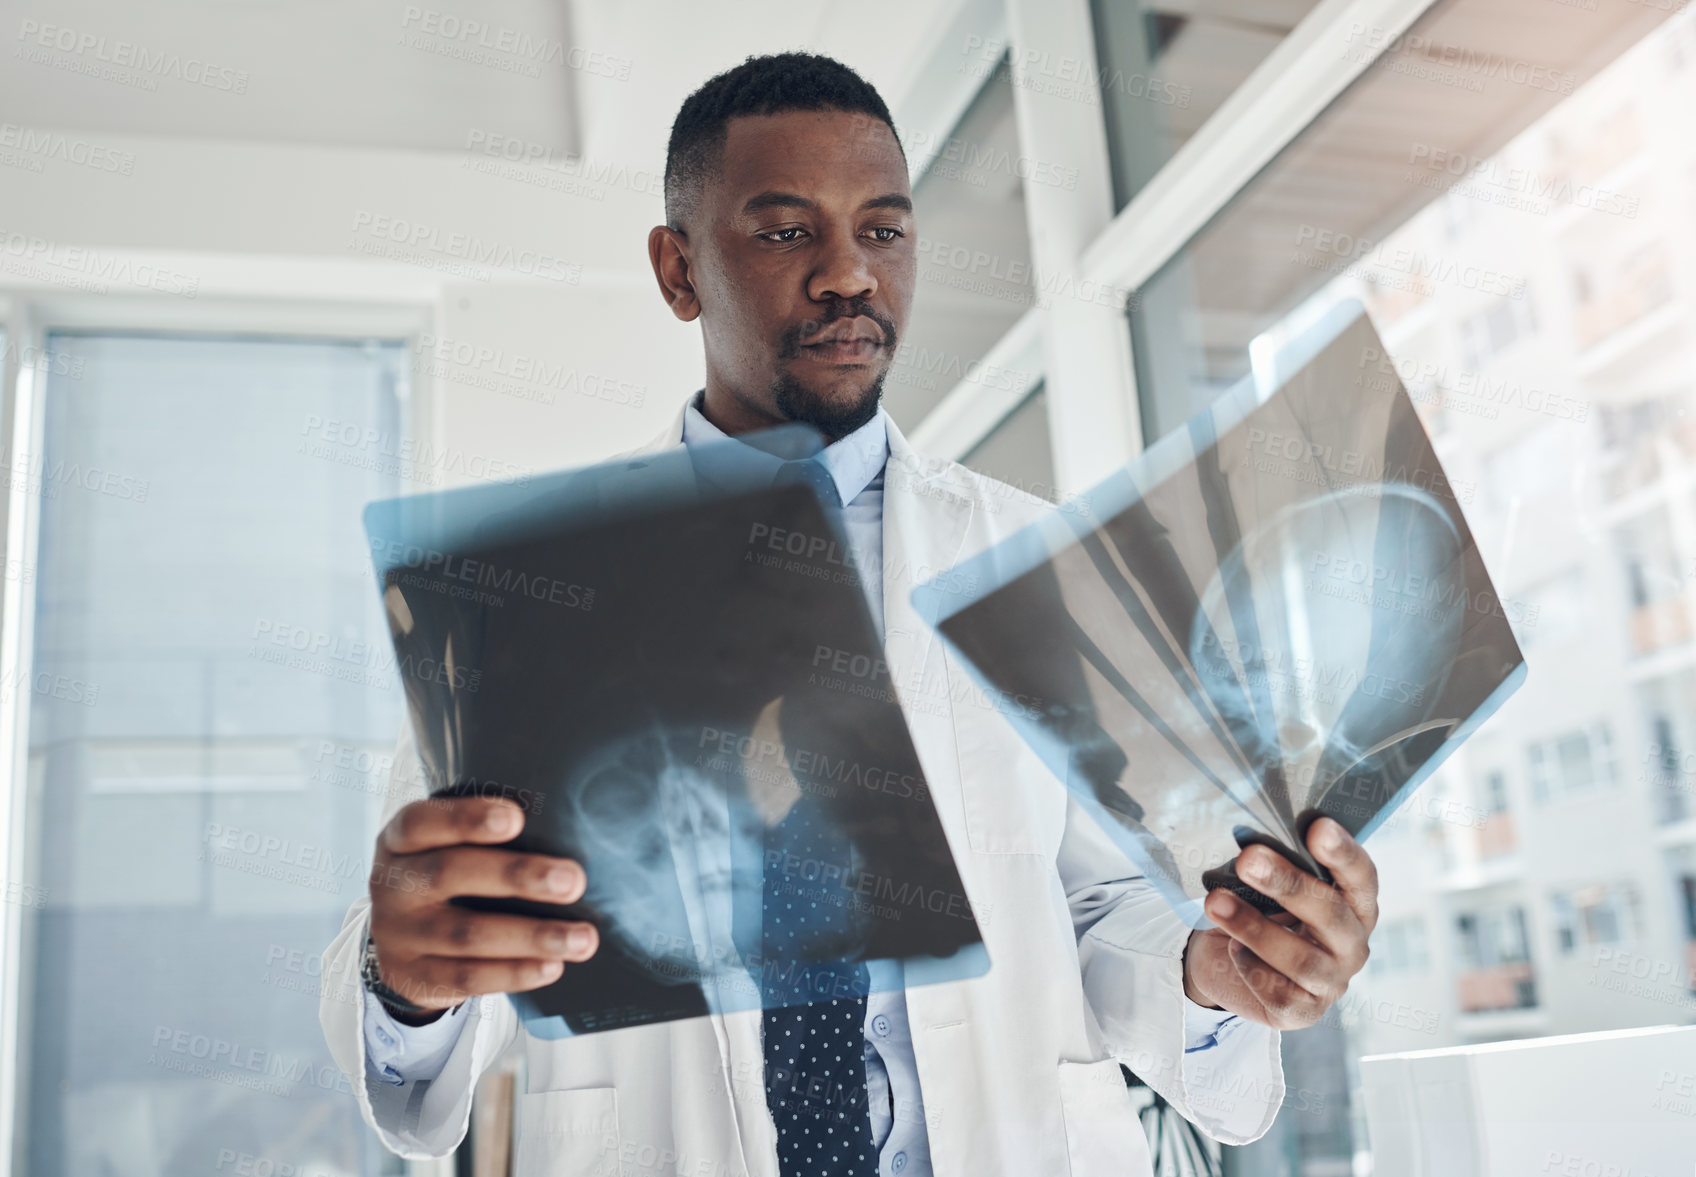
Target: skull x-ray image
column 624, row 652
column 1276, row 612
column 672, row 847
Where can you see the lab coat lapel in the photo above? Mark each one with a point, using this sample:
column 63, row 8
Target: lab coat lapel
column 925, row 524
column 928, row 515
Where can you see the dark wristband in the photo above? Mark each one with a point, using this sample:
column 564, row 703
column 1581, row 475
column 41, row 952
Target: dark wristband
column 373, row 978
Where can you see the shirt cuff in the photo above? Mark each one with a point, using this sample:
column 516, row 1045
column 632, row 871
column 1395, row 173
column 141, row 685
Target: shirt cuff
column 399, row 1054
column 1204, row 1027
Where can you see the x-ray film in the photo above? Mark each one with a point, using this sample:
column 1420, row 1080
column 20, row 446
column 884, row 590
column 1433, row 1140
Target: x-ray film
column 631, row 652
column 1275, row 613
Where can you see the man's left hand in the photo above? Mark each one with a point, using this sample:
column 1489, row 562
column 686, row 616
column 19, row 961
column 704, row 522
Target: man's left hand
column 1286, row 971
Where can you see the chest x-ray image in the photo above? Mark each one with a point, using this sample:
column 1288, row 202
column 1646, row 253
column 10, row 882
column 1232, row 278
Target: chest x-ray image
column 646, row 656
column 1275, row 613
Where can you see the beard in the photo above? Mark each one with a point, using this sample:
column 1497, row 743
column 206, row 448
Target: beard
column 833, row 417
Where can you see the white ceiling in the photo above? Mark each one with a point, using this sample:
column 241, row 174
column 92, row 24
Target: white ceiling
column 678, row 45
column 602, row 77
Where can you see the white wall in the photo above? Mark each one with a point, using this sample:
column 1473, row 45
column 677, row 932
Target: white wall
column 260, row 220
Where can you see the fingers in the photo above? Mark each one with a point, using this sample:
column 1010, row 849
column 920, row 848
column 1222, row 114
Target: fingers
column 1323, row 909
column 503, row 874
column 1288, row 1006
column 449, row 931
column 438, row 982
column 1350, row 865
column 450, row 821
column 435, row 953
column 1306, row 965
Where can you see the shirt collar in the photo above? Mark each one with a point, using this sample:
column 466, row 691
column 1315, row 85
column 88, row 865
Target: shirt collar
column 853, row 461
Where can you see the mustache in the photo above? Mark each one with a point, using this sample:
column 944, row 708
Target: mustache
column 789, row 343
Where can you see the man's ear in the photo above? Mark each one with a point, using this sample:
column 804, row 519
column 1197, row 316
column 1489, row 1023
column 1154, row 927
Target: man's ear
column 668, row 251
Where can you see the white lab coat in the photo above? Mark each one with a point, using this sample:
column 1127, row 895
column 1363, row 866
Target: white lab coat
column 1019, row 1067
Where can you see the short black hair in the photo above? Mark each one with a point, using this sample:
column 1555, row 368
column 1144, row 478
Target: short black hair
column 773, row 84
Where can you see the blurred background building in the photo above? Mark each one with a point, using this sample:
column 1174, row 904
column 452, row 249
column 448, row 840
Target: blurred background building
column 260, row 264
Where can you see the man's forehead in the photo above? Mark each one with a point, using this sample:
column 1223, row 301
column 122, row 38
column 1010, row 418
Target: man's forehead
column 843, row 151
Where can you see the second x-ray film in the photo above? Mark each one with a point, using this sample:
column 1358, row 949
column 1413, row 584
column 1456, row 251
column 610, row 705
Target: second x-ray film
column 1274, row 613
column 640, row 654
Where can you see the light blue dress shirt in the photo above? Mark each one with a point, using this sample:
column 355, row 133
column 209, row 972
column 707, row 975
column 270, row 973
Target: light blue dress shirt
column 401, row 1054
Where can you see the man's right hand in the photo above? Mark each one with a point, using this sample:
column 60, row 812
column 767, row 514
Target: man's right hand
column 436, row 954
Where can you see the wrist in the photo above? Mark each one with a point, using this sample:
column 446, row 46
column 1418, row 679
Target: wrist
column 394, row 1003
column 421, row 1018
column 1191, row 989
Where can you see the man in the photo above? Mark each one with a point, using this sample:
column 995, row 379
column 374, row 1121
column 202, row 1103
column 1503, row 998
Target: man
column 790, row 236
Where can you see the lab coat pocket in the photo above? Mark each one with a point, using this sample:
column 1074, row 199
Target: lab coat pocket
column 571, row 1133
column 1103, row 1134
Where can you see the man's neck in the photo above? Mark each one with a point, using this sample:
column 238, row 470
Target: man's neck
column 732, row 416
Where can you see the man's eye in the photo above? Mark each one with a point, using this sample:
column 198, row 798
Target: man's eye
column 782, row 236
column 894, row 234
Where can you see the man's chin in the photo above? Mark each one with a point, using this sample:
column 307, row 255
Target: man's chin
column 836, row 409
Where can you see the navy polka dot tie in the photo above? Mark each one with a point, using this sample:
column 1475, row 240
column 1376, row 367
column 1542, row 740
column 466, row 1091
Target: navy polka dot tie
column 811, row 472
column 815, row 1014
column 815, row 1054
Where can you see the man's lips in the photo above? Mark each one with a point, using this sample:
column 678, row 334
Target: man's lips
column 848, row 341
column 843, row 351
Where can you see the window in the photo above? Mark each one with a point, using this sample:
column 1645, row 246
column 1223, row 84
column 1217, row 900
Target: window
column 1625, row 424
column 1496, row 328
column 1495, row 956
column 1163, row 69
column 1666, row 744
column 1572, row 764
column 1398, row 946
column 1017, row 452
column 1458, row 207
column 1491, row 938
column 1595, row 915
column 1637, row 581
column 1352, row 203
column 1669, row 784
column 210, row 649
column 1649, row 551
column 1496, row 793
column 975, row 276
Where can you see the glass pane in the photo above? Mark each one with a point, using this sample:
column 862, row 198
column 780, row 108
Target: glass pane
column 1017, row 451
column 974, row 256
column 209, row 672
column 1164, row 68
column 1576, row 770
column 1402, row 135
column 1513, row 225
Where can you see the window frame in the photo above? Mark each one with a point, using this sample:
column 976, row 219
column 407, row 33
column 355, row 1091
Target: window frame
column 27, row 319
column 1094, row 423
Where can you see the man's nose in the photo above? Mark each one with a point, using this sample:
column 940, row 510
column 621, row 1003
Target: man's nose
column 842, row 272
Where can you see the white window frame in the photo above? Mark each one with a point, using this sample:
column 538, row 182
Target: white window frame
column 28, row 318
column 1094, row 423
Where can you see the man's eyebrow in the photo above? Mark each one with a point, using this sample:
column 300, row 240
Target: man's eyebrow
column 768, row 200
column 894, row 200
